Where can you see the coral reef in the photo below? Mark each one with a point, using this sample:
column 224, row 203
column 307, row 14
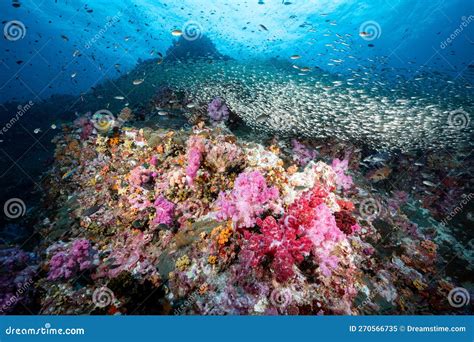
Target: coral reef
column 208, row 222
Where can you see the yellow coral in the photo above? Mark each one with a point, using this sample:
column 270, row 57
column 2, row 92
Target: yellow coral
column 212, row 259
column 203, row 288
column 274, row 148
column 292, row 169
column 420, row 286
column 114, row 141
column 160, row 149
column 223, row 234
column 101, row 143
column 183, row 263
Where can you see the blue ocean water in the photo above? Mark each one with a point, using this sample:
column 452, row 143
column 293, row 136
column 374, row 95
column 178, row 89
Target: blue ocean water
column 410, row 35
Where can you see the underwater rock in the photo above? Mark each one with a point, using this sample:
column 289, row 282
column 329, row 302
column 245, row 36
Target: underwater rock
column 191, row 49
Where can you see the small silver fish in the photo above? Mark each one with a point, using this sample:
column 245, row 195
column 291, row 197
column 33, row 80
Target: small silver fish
column 428, row 183
column 263, row 118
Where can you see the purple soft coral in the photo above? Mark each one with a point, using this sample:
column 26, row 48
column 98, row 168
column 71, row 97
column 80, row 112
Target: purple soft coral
column 69, row 259
column 302, row 155
column 250, row 198
column 218, row 110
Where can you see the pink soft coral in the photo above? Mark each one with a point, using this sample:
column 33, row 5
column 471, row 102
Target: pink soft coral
column 324, row 234
column 340, row 167
column 196, row 149
column 86, row 126
column 164, row 211
column 250, row 198
column 128, row 254
column 140, row 176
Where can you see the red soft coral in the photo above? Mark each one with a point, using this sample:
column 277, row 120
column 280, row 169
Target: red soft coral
column 307, row 226
column 282, row 244
column 345, row 222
